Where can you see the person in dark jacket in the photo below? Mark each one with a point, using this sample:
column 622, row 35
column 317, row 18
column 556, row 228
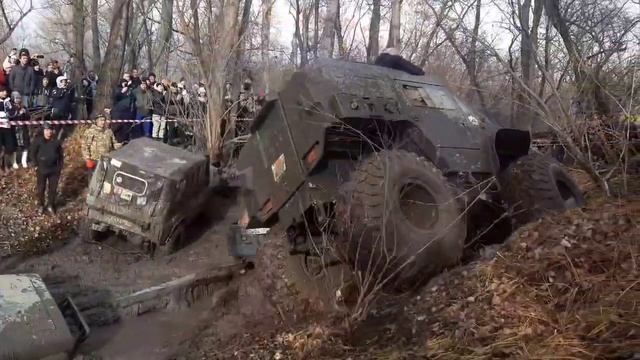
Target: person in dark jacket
column 122, row 110
column 144, row 106
column 52, row 73
column 61, row 105
column 83, row 100
column 39, row 73
column 7, row 132
column 43, row 93
column 61, row 99
column 22, row 79
column 159, row 112
column 391, row 58
column 48, row 158
column 23, row 139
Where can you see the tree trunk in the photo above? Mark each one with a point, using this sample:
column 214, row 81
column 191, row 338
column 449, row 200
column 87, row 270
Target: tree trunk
column 111, row 68
column 265, row 35
column 373, row 48
column 298, row 35
column 165, row 34
column 394, row 26
column 244, row 25
column 341, row 47
column 522, row 118
column 224, row 43
column 78, row 40
column 328, row 29
column 472, row 58
column 316, row 27
column 95, row 36
column 133, row 41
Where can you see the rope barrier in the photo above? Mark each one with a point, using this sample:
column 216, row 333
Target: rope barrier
column 72, row 122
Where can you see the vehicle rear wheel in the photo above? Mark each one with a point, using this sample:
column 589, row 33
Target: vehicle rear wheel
column 536, row 184
column 400, row 219
column 300, row 278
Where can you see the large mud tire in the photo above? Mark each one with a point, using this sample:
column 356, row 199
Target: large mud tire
column 289, row 286
column 401, row 219
column 537, row 184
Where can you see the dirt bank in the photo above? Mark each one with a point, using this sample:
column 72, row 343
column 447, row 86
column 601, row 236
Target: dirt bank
column 564, row 287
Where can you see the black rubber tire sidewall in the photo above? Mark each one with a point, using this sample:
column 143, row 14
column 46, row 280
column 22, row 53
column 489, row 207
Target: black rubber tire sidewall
column 528, row 186
column 370, row 207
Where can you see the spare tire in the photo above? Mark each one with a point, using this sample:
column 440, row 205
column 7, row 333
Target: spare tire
column 536, row 184
column 400, row 219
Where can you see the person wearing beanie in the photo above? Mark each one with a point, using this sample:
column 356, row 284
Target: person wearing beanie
column 22, row 78
column 48, row 158
column 7, row 133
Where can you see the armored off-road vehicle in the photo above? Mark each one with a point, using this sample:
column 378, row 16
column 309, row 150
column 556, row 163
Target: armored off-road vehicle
column 147, row 191
column 384, row 172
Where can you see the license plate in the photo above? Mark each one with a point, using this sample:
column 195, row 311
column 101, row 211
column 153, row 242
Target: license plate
column 126, row 195
column 97, row 227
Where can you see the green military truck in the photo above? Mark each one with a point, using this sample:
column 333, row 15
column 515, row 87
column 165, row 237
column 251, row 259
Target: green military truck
column 381, row 171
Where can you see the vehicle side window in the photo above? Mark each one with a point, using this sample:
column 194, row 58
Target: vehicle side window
column 439, row 98
column 414, row 96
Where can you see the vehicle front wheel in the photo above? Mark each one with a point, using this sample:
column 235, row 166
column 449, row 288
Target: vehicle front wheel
column 87, row 233
column 536, row 184
column 171, row 243
column 401, row 219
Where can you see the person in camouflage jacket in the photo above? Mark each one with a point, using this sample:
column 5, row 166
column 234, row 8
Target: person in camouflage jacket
column 98, row 140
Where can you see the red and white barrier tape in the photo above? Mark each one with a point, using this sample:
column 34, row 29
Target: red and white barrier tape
column 71, row 122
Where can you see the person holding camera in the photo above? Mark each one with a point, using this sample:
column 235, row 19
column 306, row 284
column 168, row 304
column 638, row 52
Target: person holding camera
column 22, row 78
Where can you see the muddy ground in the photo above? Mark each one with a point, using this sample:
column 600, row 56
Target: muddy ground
column 101, row 276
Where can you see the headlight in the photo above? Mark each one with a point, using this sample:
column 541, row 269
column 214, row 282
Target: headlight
column 142, row 200
column 106, row 187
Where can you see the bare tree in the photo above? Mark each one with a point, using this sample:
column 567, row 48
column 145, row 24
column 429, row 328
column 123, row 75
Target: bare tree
column 373, row 48
column 165, row 35
column 394, row 26
column 113, row 62
column 9, row 25
column 329, row 29
column 95, row 35
column 78, row 38
column 265, row 35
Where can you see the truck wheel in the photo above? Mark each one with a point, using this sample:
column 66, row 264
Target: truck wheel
column 400, row 219
column 87, row 233
column 536, row 184
column 175, row 239
column 288, row 280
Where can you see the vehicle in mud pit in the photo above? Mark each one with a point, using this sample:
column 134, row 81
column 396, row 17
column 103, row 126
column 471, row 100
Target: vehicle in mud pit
column 384, row 172
column 149, row 192
column 33, row 325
